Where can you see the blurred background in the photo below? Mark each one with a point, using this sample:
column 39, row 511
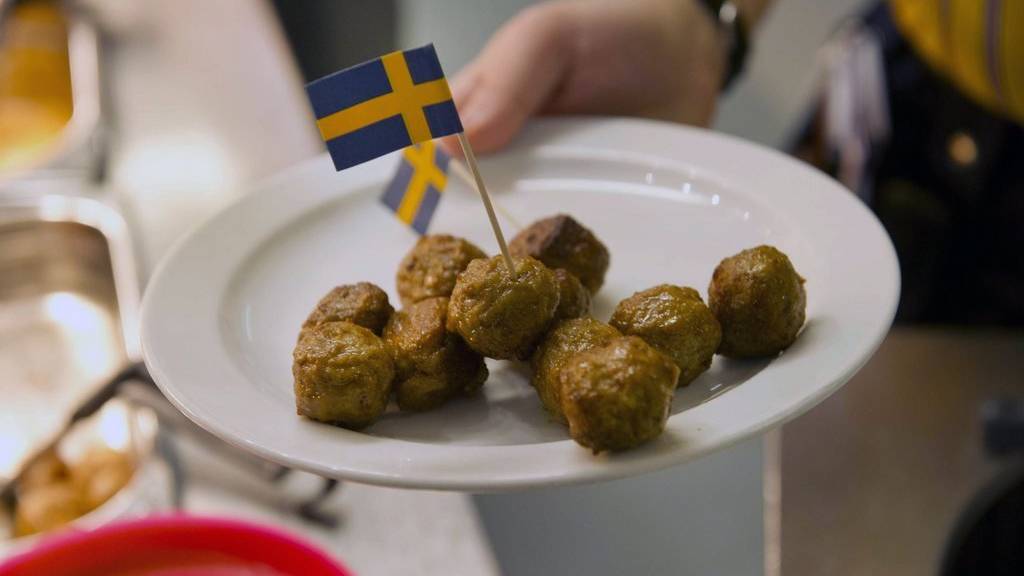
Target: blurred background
column 123, row 124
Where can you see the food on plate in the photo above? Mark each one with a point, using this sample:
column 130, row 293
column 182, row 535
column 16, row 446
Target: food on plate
column 676, row 322
column 100, row 474
column 47, row 468
column 431, row 364
column 612, row 384
column 47, row 507
column 52, row 493
column 565, row 340
column 573, row 297
column 618, row 396
column 501, row 314
column 562, row 242
column 759, row 300
column 363, row 304
column 430, row 268
column 343, row 374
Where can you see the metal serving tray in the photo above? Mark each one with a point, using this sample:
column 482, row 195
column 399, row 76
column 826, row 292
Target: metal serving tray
column 68, row 313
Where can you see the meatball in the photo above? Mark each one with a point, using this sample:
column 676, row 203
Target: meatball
column 618, row 396
column 564, row 341
column 573, row 297
column 100, row 474
column 431, row 364
column 759, row 300
column 500, row 314
column 363, row 304
column 46, row 508
column 430, row 268
column 561, row 242
column 343, row 374
column 676, row 322
column 47, row 468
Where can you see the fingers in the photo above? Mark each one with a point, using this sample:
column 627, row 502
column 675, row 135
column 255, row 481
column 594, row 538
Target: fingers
column 513, row 78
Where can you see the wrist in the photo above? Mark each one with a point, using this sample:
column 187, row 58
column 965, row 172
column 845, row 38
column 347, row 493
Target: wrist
column 732, row 28
column 708, row 45
column 752, row 11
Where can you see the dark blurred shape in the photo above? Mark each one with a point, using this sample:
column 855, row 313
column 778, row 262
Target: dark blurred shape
column 989, row 538
column 946, row 183
column 875, row 478
column 1004, row 426
column 327, row 35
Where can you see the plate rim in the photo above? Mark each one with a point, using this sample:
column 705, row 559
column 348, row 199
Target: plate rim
column 538, row 134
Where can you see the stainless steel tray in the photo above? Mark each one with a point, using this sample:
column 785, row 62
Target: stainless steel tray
column 68, row 313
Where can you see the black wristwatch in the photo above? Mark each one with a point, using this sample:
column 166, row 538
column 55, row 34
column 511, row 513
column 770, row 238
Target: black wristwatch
column 730, row 21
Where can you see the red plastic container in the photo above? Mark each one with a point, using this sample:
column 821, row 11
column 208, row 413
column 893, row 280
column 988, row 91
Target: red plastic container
column 174, row 546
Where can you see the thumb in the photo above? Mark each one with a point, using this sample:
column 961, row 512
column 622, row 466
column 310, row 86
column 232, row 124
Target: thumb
column 512, row 79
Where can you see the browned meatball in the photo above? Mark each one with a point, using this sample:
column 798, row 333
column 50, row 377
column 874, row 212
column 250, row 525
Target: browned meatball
column 503, row 315
column 47, row 468
column 343, row 374
column 46, row 508
column 561, row 242
column 565, row 340
column 759, row 300
column 363, row 304
column 573, row 297
column 676, row 322
column 100, row 474
column 618, row 396
column 430, row 268
column 432, row 364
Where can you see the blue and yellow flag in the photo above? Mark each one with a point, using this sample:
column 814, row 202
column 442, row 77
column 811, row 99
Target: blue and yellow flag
column 416, row 189
column 383, row 105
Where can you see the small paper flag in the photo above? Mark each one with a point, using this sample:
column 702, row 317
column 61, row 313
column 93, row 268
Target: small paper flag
column 415, row 191
column 383, row 105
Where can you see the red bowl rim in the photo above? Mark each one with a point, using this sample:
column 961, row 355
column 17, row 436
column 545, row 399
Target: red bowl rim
column 200, row 531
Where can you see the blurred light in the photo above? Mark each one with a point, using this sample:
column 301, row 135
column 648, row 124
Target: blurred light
column 87, row 330
column 113, row 426
column 184, row 161
column 963, row 149
column 13, row 445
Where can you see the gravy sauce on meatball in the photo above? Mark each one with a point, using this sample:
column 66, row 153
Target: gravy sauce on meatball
column 562, row 242
column 432, row 364
column 502, row 314
column 429, row 270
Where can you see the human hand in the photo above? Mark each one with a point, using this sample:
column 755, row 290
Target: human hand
column 659, row 59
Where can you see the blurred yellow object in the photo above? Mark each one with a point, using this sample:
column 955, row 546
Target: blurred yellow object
column 35, row 81
column 54, row 493
column 977, row 44
column 46, row 508
column 100, row 474
column 47, row 469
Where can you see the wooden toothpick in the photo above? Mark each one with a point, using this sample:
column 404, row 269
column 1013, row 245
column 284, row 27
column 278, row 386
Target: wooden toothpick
column 486, row 198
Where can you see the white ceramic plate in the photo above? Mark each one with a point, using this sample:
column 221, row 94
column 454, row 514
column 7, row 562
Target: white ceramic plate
column 222, row 312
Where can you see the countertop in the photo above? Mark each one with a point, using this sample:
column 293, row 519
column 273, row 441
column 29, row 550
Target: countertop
column 874, row 478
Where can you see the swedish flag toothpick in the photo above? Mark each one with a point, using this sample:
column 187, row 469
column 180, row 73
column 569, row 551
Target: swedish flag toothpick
column 416, row 189
column 390, row 103
column 383, row 105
